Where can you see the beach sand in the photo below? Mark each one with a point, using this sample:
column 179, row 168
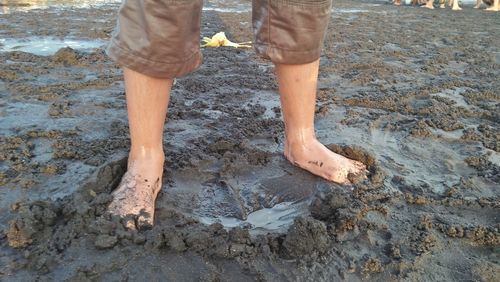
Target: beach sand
column 413, row 93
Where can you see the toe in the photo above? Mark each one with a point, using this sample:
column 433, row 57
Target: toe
column 144, row 221
column 129, row 224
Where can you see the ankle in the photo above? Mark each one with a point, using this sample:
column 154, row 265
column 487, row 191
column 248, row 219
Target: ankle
column 298, row 148
column 299, row 140
column 147, row 153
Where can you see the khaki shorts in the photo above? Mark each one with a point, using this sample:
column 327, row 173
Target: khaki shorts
column 162, row 38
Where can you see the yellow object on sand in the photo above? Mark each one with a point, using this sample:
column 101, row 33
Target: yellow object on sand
column 220, row 39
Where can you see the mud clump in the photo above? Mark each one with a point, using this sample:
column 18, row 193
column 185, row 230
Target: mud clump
column 105, row 241
column 338, row 209
column 8, row 75
column 376, row 174
column 484, row 167
column 34, row 218
column 446, row 123
column 424, row 243
column 304, row 237
column 60, row 109
column 372, row 266
column 420, row 130
column 66, row 56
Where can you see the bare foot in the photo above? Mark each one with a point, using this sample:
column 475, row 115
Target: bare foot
column 135, row 196
column 456, row 8
column 319, row 160
column 442, row 6
column 428, row 6
column 492, row 8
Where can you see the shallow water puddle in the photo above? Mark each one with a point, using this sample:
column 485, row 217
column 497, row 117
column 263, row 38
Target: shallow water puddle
column 239, row 9
column 46, row 46
column 278, row 218
column 7, row 7
column 348, row 11
column 227, row 6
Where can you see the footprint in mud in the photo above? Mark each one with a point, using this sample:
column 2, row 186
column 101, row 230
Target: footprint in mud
column 287, row 188
column 256, row 196
column 240, row 194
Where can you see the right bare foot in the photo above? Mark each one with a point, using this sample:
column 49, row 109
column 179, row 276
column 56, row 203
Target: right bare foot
column 429, row 5
column 135, row 196
column 319, row 160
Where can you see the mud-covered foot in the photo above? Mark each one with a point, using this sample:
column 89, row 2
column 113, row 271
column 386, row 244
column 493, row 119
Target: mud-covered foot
column 319, row 160
column 134, row 199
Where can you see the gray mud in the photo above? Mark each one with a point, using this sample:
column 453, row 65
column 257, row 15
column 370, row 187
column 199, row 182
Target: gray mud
column 413, row 97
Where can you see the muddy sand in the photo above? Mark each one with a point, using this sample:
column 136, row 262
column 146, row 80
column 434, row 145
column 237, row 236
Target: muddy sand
column 412, row 93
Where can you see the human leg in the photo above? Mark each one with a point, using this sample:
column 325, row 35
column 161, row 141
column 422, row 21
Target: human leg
column 147, row 102
column 455, row 6
column 291, row 36
column 297, row 87
column 155, row 41
column 429, row 4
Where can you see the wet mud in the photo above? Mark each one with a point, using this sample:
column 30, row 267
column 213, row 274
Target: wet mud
column 403, row 91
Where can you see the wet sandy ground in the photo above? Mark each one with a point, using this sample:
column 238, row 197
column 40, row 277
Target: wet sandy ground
column 412, row 93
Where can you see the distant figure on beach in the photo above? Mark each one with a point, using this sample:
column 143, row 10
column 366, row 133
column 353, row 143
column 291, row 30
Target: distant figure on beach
column 493, row 5
column 157, row 41
column 453, row 3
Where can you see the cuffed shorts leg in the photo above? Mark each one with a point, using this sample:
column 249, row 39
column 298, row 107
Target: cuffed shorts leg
column 158, row 38
column 162, row 38
column 290, row 31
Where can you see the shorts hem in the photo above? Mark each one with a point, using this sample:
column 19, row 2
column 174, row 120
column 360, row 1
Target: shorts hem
column 133, row 61
column 284, row 56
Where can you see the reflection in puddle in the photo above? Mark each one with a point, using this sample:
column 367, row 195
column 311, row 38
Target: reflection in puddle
column 277, row 219
column 47, row 46
column 7, row 6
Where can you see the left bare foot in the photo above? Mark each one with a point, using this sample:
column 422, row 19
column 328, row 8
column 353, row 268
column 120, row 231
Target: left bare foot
column 319, row 160
column 134, row 200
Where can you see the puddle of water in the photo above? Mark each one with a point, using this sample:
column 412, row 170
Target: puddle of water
column 7, row 6
column 227, row 10
column 277, row 219
column 227, row 6
column 349, row 11
column 47, row 46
